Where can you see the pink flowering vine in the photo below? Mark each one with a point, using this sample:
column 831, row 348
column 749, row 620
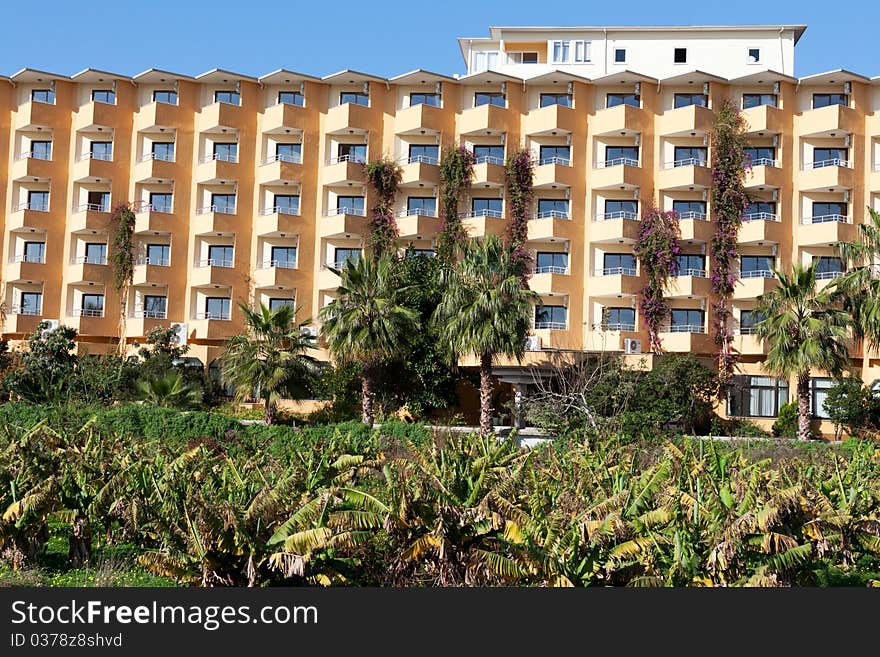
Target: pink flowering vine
column 384, row 178
column 456, row 175
column 519, row 177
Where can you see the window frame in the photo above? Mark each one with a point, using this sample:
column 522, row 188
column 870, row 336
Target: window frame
column 636, row 97
column 490, row 98
column 170, row 93
column 294, row 95
column 742, row 383
column 164, row 260
column 38, row 306
column 225, row 303
column 109, row 93
column 355, row 98
column 41, row 257
column 761, row 97
column 679, row 55
column 167, row 209
column 619, row 60
column 424, row 101
column 229, row 94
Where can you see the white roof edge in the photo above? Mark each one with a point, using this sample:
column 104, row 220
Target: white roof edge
column 297, row 74
column 841, row 71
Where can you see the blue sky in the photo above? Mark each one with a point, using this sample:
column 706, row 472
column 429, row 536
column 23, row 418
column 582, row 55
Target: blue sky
column 383, row 38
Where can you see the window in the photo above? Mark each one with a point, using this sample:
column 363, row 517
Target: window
column 286, row 203
column 228, row 97
column 167, row 96
column 680, row 56
column 291, row 98
column 829, row 211
column 34, row 252
column 492, row 154
column 551, row 317
column 355, row 98
column 748, row 320
column 158, row 255
column 95, row 253
column 98, row 201
column 615, row 209
column 483, row 60
column 615, row 155
column 690, row 156
column 615, row 99
column 351, row 153
column 761, row 155
column 38, row 201
column 690, row 209
column 824, row 100
column 31, row 303
column 553, row 207
column 581, row 52
column 288, row 153
column 756, row 396
column 620, row 55
column 615, row 264
column 41, row 150
column 560, row 50
column 424, row 99
column 555, row 99
column 155, row 306
column 350, row 204
column 104, row 96
column 687, row 320
column 43, row 96
column 284, row 257
column 217, row 308
column 618, row 319
column 226, row 152
column 423, row 205
column 489, row 98
column 754, row 55
column 757, row 266
column 755, row 100
column 220, row 255
column 555, row 155
column 522, row 58
column 427, row 154
column 486, row 207
column 92, row 305
column 343, row 255
column 830, row 157
column 762, row 210
column 160, row 202
column 555, row 263
column 276, row 303
column 827, row 267
column 163, row 150
column 818, row 394
column 688, row 99
column 691, row 265
column 101, row 150
column 223, row 203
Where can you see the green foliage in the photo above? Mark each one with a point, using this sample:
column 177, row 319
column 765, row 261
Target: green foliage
column 383, row 176
column 853, row 406
column 519, row 176
column 47, row 366
column 456, row 175
column 738, row 427
column 786, row 424
column 858, row 290
column 169, row 391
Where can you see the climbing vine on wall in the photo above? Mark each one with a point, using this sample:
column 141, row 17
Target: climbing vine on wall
column 384, row 177
column 657, row 249
column 122, row 257
column 519, row 176
column 456, row 175
column 729, row 202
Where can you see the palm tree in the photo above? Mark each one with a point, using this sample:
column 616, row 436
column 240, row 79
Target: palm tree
column 169, row 391
column 485, row 310
column 859, row 288
column 367, row 322
column 270, row 360
column 805, row 330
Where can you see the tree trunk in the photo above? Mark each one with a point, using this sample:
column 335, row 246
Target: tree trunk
column 79, row 552
column 268, row 412
column 803, row 397
column 367, row 397
column 485, row 394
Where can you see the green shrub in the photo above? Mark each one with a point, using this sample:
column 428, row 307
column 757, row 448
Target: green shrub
column 735, row 426
column 786, row 425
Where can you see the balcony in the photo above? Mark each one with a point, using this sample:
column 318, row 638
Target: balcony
column 147, row 272
column 752, row 284
column 551, row 120
column 823, row 121
column 683, row 121
column 764, row 174
column 90, row 217
column 686, row 339
column 690, row 283
column 621, row 173
column 609, row 337
column 825, row 230
column 27, row 166
column 216, row 116
column 23, row 270
column 212, row 272
column 147, row 219
column 24, row 324
column 620, row 119
column 141, row 322
column 326, row 279
column 85, row 270
column 484, row 120
column 421, row 119
column 827, row 175
column 760, row 227
column 824, row 278
column 554, row 335
column 764, row 118
column 206, row 326
column 285, row 118
column 343, row 222
column 614, row 282
column 215, row 219
column 489, row 172
column 419, row 170
column 152, row 168
column 277, row 221
column 688, row 174
column 346, row 119
column 90, row 167
column 416, row 225
column 277, row 274
column 94, row 115
column 36, row 217
column 620, row 227
column 153, row 116
column 748, row 344
column 553, row 173
column 34, row 114
column 553, row 226
column 215, row 168
column 279, row 170
column 487, row 222
column 344, row 170
column 695, row 227
column 551, row 281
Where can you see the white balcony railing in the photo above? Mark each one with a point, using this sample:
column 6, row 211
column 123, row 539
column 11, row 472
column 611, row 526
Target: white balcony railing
column 747, row 330
column 826, row 219
column 497, row 214
column 24, row 257
column 620, row 214
column 764, row 162
column 88, row 312
column 617, row 161
column 214, row 262
column 283, row 157
column 686, row 162
column 700, row 216
column 280, row 264
column 159, row 157
column 489, row 159
column 31, row 155
column 551, row 269
column 92, row 207
column 683, row 328
column 419, row 159
column 697, row 273
column 32, row 311
column 140, row 313
column 104, row 157
column 760, row 216
column 153, row 207
column 420, row 212
column 280, row 209
column 344, row 209
column 153, row 262
column 821, row 164
column 555, row 326
column 90, row 260
column 356, row 159
column 213, row 315
column 757, row 273
column 219, row 157
column 828, row 275
column 552, row 214
column 33, row 206
column 614, row 326
column 561, row 161
column 218, row 209
column 616, row 271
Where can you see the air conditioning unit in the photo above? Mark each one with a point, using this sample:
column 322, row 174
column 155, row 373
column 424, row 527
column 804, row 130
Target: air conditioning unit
column 311, row 331
column 180, row 334
column 50, row 325
column 632, row 346
column 533, row 343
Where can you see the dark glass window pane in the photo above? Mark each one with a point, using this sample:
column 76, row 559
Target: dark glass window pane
column 756, row 100
column 291, row 98
column 555, row 99
column 352, row 204
column 355, row 98
column 286, row 203
column 613, row 100
column 424, row 205
column 489, row 98
column 159, row 254
column 230, row 97
column 168, row 97
column 160, row 202
column 688, row 99
column 424, row 99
